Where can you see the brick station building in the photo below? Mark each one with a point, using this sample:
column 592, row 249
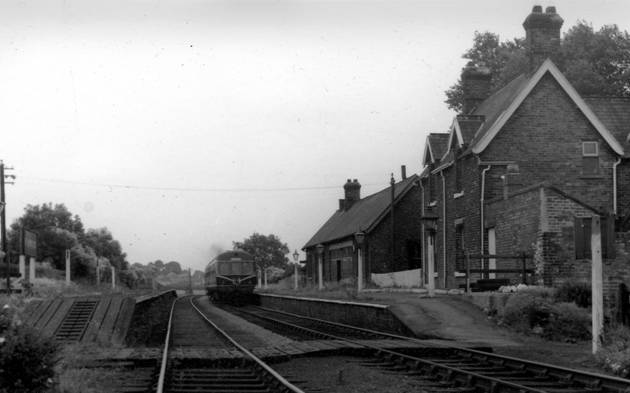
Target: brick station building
column 386, row 247
column 522, row 170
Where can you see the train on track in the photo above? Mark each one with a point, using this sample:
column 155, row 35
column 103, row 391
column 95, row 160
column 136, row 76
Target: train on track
column 231, row 277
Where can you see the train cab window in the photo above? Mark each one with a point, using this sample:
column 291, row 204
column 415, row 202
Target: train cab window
column 247, row 268
column 225, row 268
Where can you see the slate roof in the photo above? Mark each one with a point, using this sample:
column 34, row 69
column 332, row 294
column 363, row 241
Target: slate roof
column 495, row 105
column 614, row 112
column 364, row 214
column 469, row 126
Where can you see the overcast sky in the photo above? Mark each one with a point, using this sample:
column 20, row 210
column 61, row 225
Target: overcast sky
column 183, row 125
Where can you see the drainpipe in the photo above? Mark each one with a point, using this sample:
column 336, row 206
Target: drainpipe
column 481, row 216
column 443, row 225
column 393, row 227
column 614, row 168
column 422, row 250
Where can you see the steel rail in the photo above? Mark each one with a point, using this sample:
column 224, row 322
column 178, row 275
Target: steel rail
column 161, row 378
column 250, row 355
column 625, row 383
column 470, row 375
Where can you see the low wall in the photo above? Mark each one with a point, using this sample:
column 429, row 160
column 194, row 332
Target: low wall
column 364, row 315
column 150, row 319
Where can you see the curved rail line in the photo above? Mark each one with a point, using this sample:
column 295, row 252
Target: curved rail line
column 275, row 381
column 470, row 367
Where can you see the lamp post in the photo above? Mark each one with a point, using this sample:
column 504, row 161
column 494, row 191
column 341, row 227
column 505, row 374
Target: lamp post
column 429, row 222
column 359, row 238
column 296, row 256
column 320, row 262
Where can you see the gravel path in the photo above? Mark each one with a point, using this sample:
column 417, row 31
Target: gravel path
column 246, row 333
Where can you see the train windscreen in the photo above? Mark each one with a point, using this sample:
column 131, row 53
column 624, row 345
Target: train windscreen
column 236, row 268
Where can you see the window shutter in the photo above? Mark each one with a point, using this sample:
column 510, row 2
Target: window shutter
column 579, row 238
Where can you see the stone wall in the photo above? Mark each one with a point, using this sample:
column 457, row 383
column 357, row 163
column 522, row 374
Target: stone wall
column 150, row 320
column 368, row 316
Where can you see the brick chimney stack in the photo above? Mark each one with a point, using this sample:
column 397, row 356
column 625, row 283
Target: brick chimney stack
column 542, row 35
column 352, row 191
column 476, row 82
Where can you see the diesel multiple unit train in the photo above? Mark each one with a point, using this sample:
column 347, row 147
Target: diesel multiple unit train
column 231, row 277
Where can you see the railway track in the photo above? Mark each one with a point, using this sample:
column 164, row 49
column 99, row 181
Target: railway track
column 448, row 368
column 189, row 327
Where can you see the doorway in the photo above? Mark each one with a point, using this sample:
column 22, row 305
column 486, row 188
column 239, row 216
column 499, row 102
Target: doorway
column 492, row 250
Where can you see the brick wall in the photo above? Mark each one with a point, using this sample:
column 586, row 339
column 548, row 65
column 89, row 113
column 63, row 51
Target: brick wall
column 548, row 147
column 623, row 189
column 559, row 240
column 516, row 222
column 539, row 146
column 407, row 214
column 378, row 258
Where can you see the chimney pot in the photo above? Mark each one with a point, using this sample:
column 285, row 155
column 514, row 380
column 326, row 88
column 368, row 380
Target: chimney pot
column 352, row 193
column 476, row 84
column 403, row 172
column 542, row 38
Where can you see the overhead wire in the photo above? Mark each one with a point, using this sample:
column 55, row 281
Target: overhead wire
column 185, row 189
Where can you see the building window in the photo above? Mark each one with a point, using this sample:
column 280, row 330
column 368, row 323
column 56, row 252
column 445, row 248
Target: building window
column 590, row 158
column 458, row 176
column 460, row 253
column 432, row 188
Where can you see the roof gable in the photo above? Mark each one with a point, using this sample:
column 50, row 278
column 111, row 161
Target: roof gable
column 518, row 90
column 364, row 215
column 614, row 112
column 436, row 145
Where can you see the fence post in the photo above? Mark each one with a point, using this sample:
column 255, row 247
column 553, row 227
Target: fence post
column 524, row 260
column 467, row 271
column 622, row 304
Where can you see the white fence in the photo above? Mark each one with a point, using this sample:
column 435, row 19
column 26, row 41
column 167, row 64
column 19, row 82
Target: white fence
column 401, row 279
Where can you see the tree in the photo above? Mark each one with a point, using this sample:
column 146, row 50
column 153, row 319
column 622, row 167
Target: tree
column 172, row 267
column 59, row 230
column 267, row 250
column 56, row 228
column 105, row 246
column 596, row 63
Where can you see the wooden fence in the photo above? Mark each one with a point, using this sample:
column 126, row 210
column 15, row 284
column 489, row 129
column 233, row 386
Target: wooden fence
column 523, row 268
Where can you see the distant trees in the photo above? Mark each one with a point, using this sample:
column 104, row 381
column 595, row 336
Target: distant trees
column 267, row 250
column 595, row 62
column 59, row 230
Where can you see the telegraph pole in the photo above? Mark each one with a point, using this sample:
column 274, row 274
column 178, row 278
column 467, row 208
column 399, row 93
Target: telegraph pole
column 3, row 224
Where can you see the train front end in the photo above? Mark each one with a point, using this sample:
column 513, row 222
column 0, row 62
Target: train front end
column 231, row 277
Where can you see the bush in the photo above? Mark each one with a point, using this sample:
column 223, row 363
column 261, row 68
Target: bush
column 27, row 359
column 615, row 354
column 576, row 292
column 524, row 311
column 535, row 312
column 568, row 322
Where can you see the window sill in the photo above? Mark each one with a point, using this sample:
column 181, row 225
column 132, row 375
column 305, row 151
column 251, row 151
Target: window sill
column 432, row 204
column 460, row 274
column 591, row 176
column 458, row 195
